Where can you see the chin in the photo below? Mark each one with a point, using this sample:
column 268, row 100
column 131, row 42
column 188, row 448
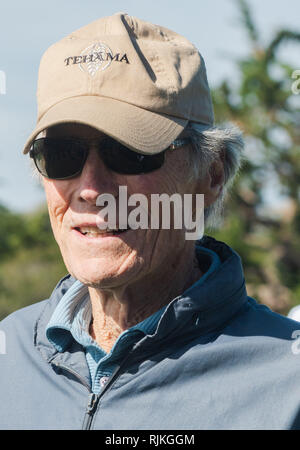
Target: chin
column 104, row 278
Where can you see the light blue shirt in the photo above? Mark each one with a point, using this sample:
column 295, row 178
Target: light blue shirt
column 72, row 317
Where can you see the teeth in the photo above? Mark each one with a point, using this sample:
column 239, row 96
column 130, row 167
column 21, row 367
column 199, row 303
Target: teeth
column 94, row 231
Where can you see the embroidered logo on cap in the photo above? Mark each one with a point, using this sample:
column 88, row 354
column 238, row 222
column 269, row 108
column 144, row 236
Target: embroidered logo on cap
column 97, row 56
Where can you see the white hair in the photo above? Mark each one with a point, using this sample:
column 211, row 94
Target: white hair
column 207, row 146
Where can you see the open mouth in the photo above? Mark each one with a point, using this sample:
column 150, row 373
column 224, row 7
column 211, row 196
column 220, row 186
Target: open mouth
column 91, row 231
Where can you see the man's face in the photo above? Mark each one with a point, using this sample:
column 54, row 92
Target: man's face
column 113, row 260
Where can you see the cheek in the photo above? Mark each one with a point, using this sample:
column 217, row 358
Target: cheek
column 158, row 182
column 57, row 207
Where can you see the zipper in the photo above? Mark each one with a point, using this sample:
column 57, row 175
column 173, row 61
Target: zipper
column 89, row 412
column 93, row 398
column 76, row 375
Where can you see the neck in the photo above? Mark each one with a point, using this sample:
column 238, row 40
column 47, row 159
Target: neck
column 117, row 309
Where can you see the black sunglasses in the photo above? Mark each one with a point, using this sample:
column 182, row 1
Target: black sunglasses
column 59, row 159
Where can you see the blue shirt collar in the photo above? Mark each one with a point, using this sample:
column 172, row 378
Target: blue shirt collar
column 71, row 318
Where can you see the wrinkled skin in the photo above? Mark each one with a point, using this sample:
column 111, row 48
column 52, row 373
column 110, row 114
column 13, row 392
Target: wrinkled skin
column 133, row 274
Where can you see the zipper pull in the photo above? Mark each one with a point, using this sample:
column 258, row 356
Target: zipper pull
column 93, row 400
column 90, row 409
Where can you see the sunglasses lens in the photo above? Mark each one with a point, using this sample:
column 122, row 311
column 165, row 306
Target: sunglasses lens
column 59, row 158
column 121, row 159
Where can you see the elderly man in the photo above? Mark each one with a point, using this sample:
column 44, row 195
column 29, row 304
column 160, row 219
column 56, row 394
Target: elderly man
column 149, row 330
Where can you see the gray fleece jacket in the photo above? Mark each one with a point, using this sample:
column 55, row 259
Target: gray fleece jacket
column 217, row 360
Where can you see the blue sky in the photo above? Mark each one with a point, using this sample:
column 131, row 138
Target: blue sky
column 28, row 28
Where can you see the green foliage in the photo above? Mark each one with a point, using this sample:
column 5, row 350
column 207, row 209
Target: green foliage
column 263, row 106
column 12, row 232
column 30, row 261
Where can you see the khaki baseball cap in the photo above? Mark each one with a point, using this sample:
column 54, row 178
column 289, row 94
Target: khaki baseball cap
column 134, row 81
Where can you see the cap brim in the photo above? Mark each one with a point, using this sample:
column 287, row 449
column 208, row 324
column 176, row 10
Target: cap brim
column 139, row 129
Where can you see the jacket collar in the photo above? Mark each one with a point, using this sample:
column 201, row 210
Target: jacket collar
column 209, row 305
column 205, row 306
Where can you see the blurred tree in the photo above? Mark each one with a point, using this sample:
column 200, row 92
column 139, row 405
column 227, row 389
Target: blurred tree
column 263, row 106
column 30, row 261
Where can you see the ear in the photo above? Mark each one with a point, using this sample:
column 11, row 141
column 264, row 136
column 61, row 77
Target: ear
column 214, row 181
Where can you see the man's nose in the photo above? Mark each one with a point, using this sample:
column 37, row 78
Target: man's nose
column 96, row 179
